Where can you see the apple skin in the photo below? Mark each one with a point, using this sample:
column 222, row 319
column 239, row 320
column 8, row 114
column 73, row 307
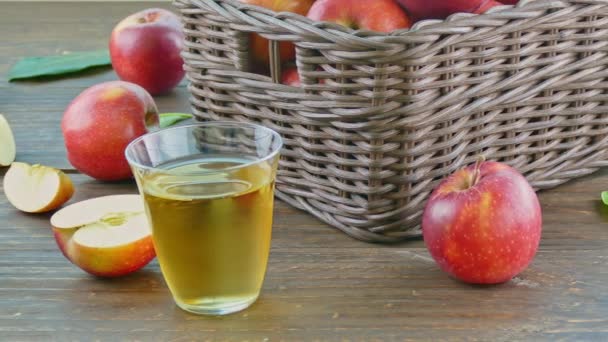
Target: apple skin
column 64, row 195
column 486, row 5
column 145, row 49
column 485, row 233
column 259, row 45
column 438, row 9
column 291, row 77
column 99, row 123
column 105, row 262
column 377, row 15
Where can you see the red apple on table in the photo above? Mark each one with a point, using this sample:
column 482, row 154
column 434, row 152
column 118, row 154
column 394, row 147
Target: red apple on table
column 99, row 124
column 105, row 236
column 439, row 9
column 260, row 45
column 377, row 15
column 483, row 223
column 145, row 49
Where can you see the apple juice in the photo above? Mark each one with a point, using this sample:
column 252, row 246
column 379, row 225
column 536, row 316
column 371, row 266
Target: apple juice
column 211, row 231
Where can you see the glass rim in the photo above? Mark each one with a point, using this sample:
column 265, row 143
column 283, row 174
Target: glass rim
column 139, row 139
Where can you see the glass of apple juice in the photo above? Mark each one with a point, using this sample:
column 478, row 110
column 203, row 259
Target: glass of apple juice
column 208, row 192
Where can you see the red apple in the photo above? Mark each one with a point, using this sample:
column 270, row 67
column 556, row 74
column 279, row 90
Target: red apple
column 486, row 5
column 99, row 124
column 377, row 15
column 483, row 223
column 291, row 77
column 510, row 2
column 259, row 45
column 438, row 9
column 145, row 49
column 105, row 236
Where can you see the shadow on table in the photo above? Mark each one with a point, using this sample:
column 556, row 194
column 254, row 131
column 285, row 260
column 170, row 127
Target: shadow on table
column 602, row 210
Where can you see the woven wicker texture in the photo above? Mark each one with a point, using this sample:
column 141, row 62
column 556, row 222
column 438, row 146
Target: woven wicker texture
column 380, row 119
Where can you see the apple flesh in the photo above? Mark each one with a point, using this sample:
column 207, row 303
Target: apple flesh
column 105, row 236
column 145, row 49
column 260, row 45
column 99, row 123
column 7, row 143
column 36, row 188
column 483, row 223
column 377, row 15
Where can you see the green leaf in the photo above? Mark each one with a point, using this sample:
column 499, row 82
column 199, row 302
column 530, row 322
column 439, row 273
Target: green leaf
column 30, row 67
column 170, row 119
column 605, row 197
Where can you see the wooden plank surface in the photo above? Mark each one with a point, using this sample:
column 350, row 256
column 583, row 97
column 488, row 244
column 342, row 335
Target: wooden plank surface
column 321, row 284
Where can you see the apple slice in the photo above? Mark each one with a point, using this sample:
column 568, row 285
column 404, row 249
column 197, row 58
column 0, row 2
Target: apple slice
column 36, row 188
column 7, row 143
column 105, row 236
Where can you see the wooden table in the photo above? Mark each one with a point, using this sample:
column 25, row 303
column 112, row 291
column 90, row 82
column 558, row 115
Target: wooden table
column 321, row 284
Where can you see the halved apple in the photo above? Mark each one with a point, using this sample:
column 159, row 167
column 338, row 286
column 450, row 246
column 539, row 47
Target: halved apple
column 36, row 188
column 105, row 236
column 7, row 143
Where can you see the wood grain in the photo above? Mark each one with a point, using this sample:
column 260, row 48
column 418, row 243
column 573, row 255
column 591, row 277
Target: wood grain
column 320, row 285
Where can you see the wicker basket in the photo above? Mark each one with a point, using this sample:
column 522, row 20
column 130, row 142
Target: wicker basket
column 380, row 118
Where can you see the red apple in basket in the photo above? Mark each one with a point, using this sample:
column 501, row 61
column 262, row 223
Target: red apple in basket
column 291, row 77
column 145, row 49
column 440, row 9
column 260, row 45
column 486, row 5
column 377, row 15
column 99, row 124
column 482, row 224
column 105, row 236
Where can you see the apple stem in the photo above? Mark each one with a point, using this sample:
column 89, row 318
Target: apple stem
column 477, row 169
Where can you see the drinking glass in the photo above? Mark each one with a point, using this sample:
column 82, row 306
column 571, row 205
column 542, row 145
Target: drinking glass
column 208, row 191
